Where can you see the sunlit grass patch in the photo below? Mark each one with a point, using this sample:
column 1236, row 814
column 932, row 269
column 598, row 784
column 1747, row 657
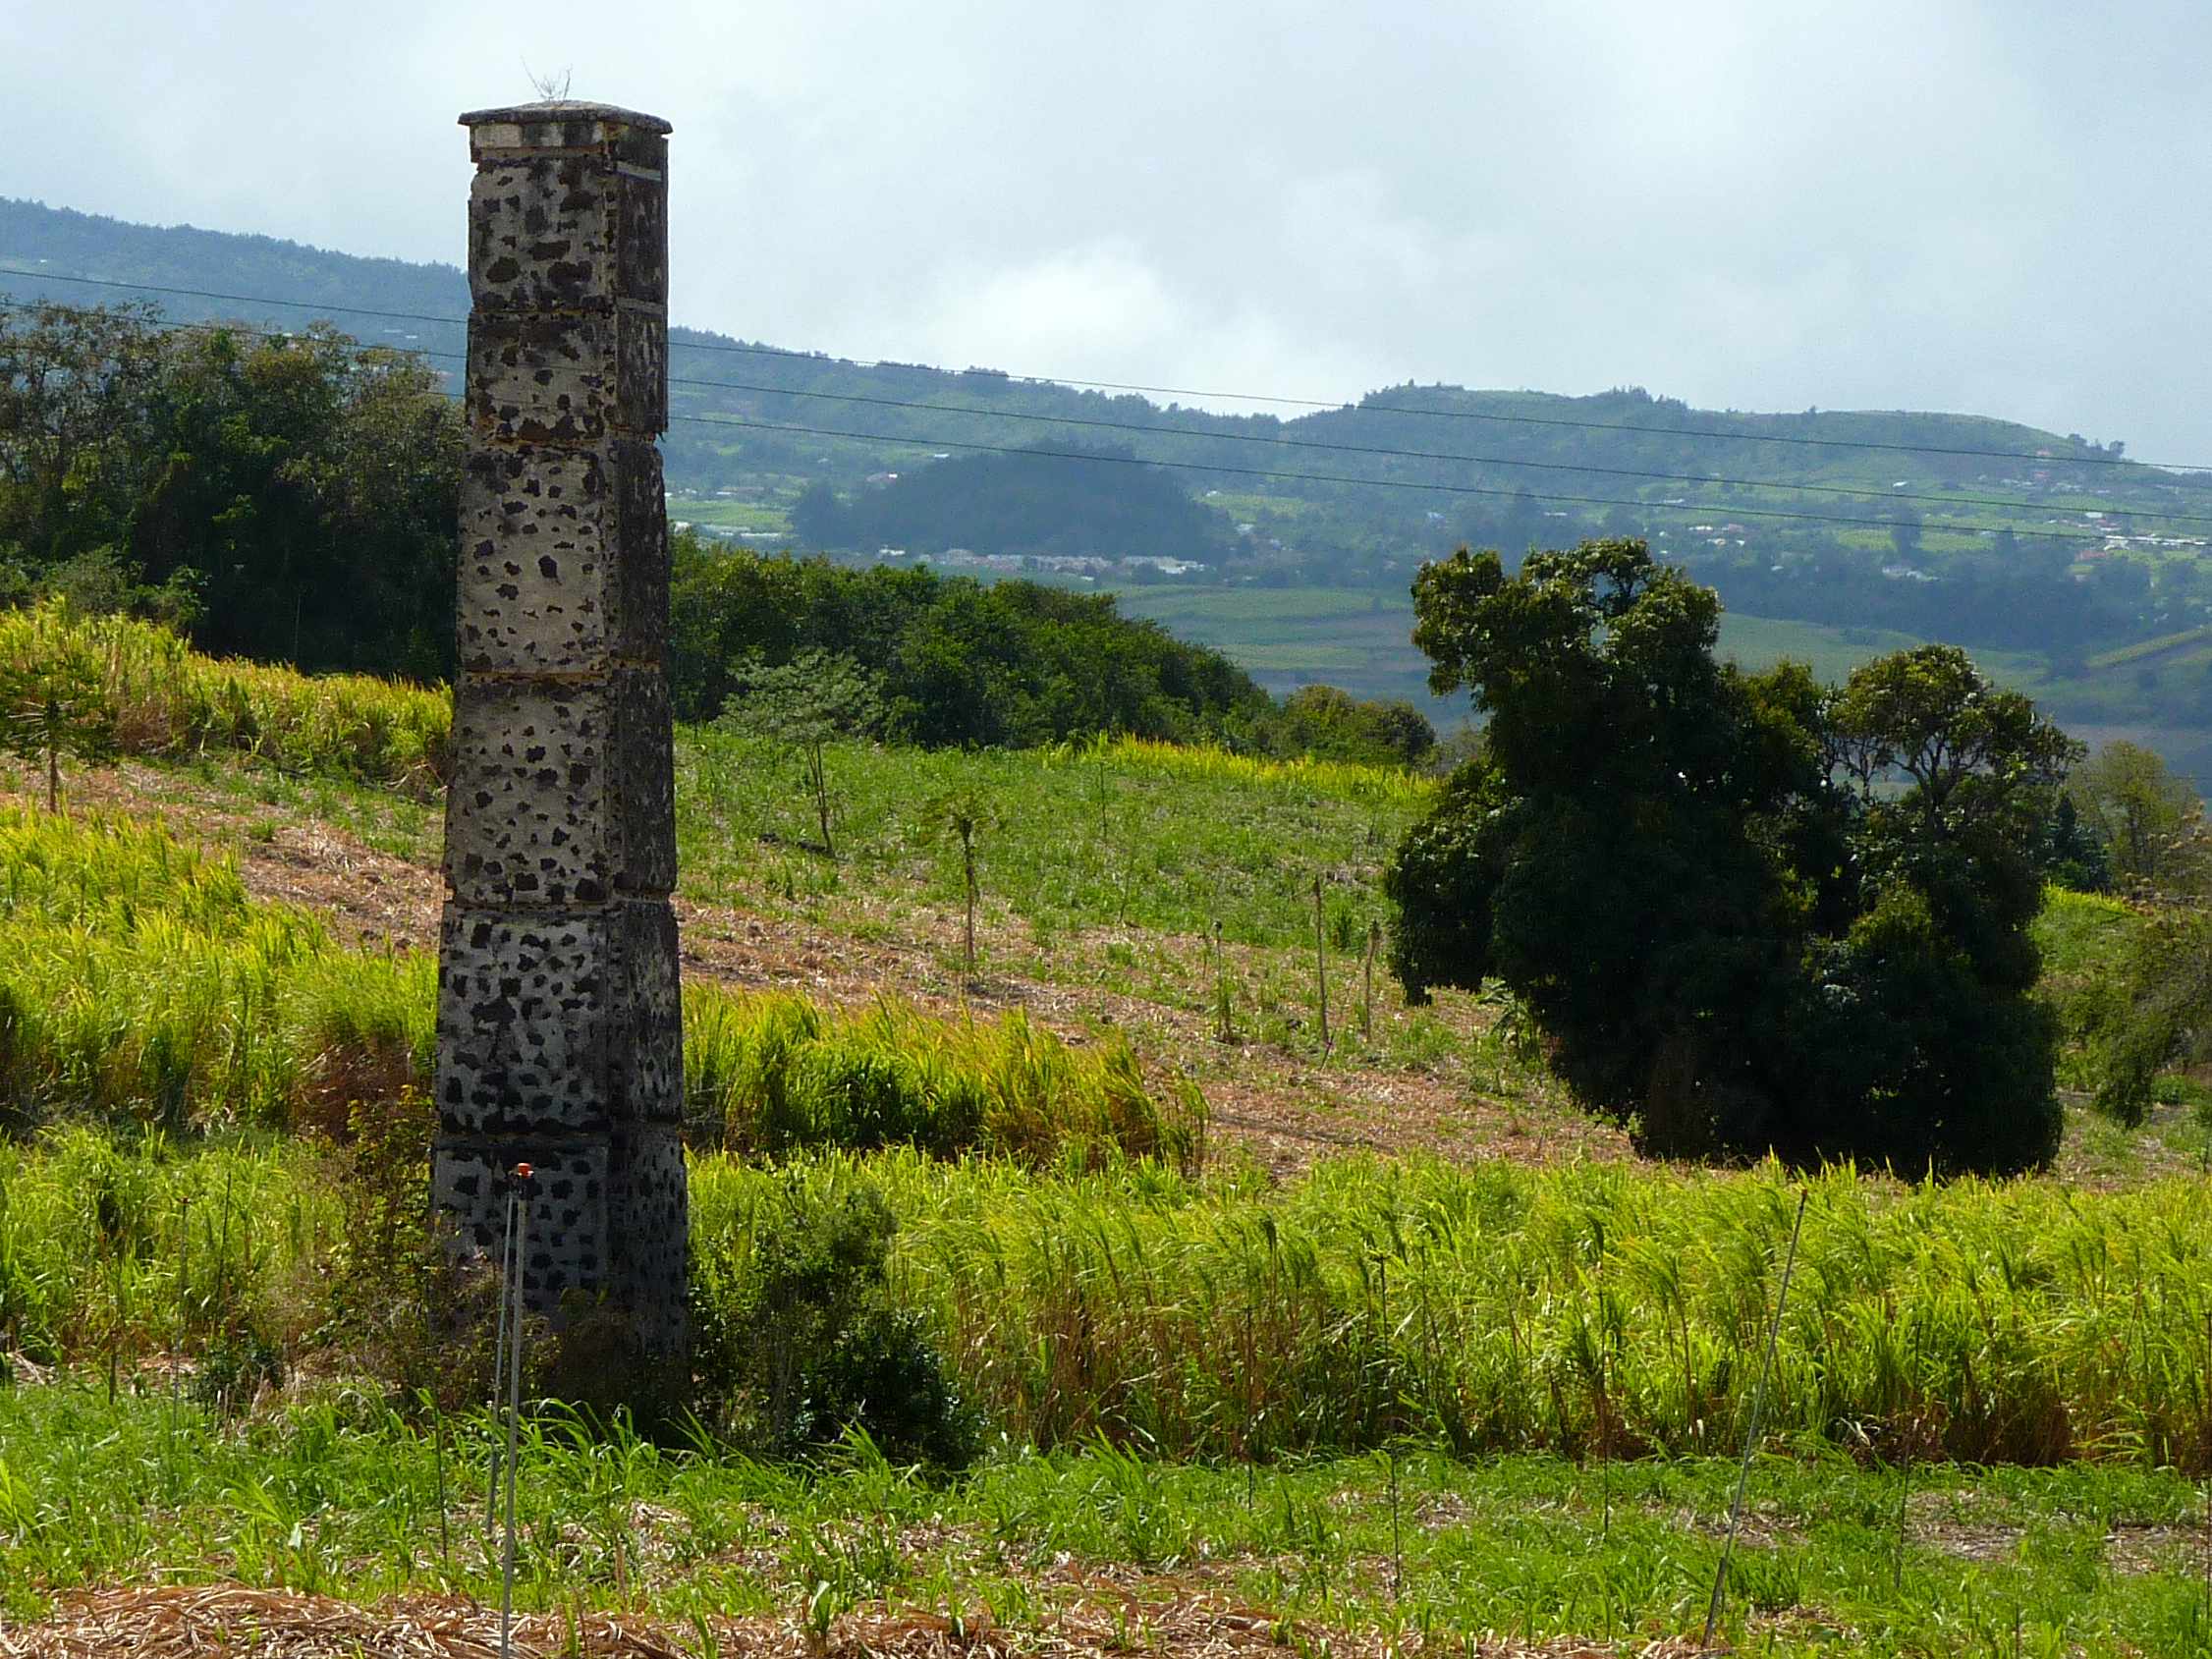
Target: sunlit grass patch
column 171, row 700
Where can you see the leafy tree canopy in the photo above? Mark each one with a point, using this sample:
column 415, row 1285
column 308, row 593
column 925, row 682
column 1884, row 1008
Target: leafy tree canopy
column 290, row 498
column 806, row 705
column 2148, row 819
column 1747, row 912
column 1330, row 724
column 952, row 662
column 1057, row 499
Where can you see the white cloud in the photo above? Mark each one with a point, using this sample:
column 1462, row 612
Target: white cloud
column 1986, row 205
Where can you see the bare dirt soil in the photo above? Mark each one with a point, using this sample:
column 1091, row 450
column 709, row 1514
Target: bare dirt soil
column 190, row 1622
column 1281, row 1107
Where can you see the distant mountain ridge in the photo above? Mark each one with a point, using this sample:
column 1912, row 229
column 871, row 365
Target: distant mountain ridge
column 1503, row 439
column 68, row 242
column 2061, row 553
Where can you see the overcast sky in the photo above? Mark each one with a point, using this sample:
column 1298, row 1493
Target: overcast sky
column 1997, row 207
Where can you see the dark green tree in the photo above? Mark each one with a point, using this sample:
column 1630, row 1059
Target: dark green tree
column 1735, row 929
column 1330, row 724
column 292, row 497
column 78, row 430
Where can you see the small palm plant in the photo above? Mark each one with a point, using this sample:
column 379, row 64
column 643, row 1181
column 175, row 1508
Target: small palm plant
column 964, row 816
column 56, row 709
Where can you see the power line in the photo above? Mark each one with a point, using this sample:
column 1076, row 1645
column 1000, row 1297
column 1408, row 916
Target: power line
column 1720, row 509
column 1591, row 469
column 924, row 441
column 733, row 347
column 2019, row 508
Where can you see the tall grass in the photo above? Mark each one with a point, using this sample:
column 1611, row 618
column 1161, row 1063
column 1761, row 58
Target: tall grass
column 1479, row 1310
column 128, row 1245
column 140, row 983
column 776, row 1073
column 1342, row 779
column 171, row 700
column 1499, row 1308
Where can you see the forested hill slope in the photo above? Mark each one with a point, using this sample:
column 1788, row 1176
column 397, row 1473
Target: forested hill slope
column 1602, row 446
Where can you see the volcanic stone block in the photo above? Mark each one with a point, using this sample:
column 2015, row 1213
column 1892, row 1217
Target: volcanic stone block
column 641, row 348
column 645, row 1032
column 566, row 231
column 590, row 128
column 564, row 1240
column 567, row 377
column 561, row 789
column 563, row 558
column 648, row 1211
column 642, row 565
column 523, row 1001
column 559, row 1022
column 642, row 248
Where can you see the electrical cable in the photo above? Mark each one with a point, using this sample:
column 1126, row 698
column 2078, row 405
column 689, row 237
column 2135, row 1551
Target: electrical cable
column 2075, row 532
column 740, row 347
column 1720, row 509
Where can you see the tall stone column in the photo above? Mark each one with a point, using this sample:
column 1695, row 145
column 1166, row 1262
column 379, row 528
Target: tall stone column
column 559, row 1028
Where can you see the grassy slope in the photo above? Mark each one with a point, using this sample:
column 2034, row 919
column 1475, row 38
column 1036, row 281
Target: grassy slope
column 1123, row 1301
column 1095, row 1552
column 1101, row 882
column 1153, row 1273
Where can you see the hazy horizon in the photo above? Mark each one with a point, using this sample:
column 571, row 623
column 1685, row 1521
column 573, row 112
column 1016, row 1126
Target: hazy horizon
column 1966, row 208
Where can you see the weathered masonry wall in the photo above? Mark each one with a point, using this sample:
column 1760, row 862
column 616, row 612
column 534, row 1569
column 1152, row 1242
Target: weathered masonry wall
column 559, row 1029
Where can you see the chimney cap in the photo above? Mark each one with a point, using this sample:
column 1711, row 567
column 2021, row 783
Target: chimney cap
column 565, row 110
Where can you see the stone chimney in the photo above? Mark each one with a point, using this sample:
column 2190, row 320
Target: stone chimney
column 560, row 1035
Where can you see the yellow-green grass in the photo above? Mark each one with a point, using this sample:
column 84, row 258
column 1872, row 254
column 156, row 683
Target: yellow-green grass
column 1116, row 834
column 169, row 699
column 1345, row 780
column 1487, row 1309
column 1139, row 833
column 140, row 984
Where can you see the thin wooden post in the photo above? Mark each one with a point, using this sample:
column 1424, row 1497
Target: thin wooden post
column 1320, row 965
column 1367, row 981
column 1221, row 1023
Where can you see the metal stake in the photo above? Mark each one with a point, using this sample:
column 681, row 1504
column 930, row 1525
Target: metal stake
column 499, row 1362
column 1321, row 967
column 1752, row 1435
column 521, row 1202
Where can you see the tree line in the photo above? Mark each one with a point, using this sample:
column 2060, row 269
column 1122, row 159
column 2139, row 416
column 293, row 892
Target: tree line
column 286, row 499
column 295, row 499
column 947, row 661
column 1043, row 501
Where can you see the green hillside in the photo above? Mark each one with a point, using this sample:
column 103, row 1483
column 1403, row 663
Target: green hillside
column 2084, row 573
column 2159, row 695
column 1624, row 443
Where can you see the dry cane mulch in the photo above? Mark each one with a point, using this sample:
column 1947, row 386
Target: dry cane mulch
column 217, row 1621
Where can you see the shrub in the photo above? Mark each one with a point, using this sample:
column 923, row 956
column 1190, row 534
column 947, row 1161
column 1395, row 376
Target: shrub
column 801, row 1338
